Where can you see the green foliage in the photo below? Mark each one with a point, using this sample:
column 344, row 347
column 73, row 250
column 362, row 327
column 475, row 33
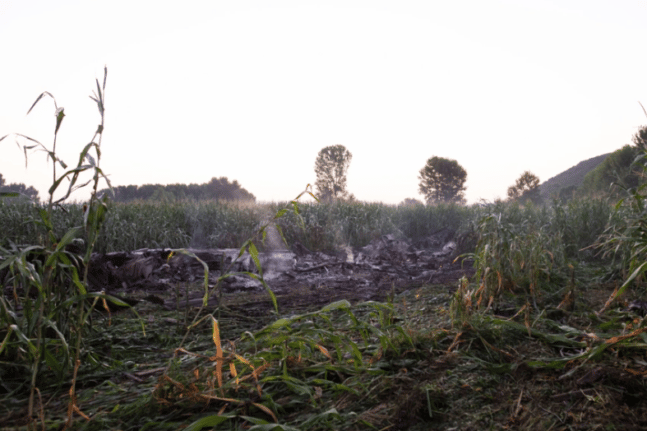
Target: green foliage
column 530, row 250
column 526, row 188
column 512, row 255
column 640, row 139
column 331, row 166
column 332, row 226
column 442, row 180
column 564, row 184
column 612, row 175
column 580, row 222
column 626, row 237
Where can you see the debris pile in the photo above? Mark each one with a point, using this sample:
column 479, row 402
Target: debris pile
column 385, row 265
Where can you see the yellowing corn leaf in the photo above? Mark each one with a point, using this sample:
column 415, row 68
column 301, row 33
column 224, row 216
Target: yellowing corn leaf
column 219, row 358
column 323, row 350
column 257, row 372
column 266, row 410
column 234, row 373
column 243, row 360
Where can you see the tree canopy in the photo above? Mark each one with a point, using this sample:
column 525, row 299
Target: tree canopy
column 442, row 180
column 217, row 189
column 614, row 170
column 21, row 188
column 410, row 202
column 640, row 138
column 331, row 166
column 526, row 188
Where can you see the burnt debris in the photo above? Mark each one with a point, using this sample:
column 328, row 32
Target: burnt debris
column 385, row 265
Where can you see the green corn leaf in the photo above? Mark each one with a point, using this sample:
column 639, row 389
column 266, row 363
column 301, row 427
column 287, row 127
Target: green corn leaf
column 339, row 305
column 54, row 362
column 6, row 339
column 208, row 422
column 253, row 252
column 278, row 228
column 32, row 349
column 271, row 427
column 631, row 278
column 281, row 323
column 280, row 213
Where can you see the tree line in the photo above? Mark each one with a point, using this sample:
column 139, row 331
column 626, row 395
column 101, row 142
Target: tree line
column 441, row 180
column 21, row 189
column 216, row 189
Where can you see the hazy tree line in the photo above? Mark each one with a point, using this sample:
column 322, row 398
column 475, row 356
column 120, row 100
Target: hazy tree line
column 216, row 189
column 440, row 180
column 29, row 192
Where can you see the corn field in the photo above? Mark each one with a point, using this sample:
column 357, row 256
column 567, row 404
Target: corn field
column 326, row 226
column 517, row 346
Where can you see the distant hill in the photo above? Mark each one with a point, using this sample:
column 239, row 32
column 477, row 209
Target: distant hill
column 572, row 177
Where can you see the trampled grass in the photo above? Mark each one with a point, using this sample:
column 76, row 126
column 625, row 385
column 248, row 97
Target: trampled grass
column 399, row 365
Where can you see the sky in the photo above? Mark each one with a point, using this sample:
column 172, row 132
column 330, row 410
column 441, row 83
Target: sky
column 253, row 90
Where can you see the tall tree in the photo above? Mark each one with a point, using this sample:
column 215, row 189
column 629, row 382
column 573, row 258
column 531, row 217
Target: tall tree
column 330, row 167
column 442, row 180
column 525, row 188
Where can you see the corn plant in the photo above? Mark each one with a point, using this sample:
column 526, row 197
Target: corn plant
column 626, row 236
column 43, row 320
column 515, row 251
column 580, row 222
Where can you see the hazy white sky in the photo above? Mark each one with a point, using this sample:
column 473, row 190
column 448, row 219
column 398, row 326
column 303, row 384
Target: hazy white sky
column 252, row 90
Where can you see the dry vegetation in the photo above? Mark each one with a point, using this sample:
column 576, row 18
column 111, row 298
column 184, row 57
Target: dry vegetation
column 537, row 340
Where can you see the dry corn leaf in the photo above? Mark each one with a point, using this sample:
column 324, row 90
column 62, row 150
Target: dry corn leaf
column 266, row 410
column 219, row 358
column 323, row 350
